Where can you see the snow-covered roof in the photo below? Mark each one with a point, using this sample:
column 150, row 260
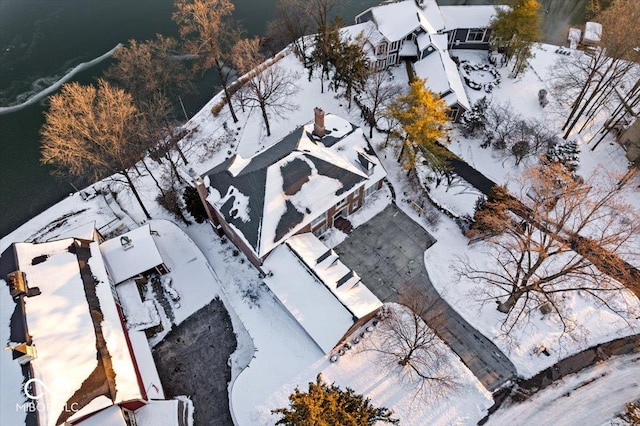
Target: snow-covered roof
column 336, row 276
column 423, row 41
column 126, row 261
column 146, row 365
column 396, row 20
column 159, row 413
column 592, row 32
column 367, row 29
column 408, row 48
column 84, row 232
column 442, row 76
column 111, row 416
column 286, row 186
column 468, row 16
column 73, row 284
column 309, row 301
column 574, row 34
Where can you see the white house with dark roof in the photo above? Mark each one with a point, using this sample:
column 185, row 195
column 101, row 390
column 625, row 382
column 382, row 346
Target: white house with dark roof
column 317, row 174
column 422, row 32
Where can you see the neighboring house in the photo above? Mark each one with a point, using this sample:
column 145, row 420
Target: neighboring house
column 320, row 172
column 421, row 32
column 81, row 365
column 629, row 138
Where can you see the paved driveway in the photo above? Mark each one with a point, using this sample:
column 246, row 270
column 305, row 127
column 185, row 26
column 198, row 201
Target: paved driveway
column 193, row 360
column 388, row 253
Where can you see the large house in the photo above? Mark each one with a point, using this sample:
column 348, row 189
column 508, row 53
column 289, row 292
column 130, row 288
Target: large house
column 79, row 362
column 317, row 174
column 275, row 205
column 421, row 33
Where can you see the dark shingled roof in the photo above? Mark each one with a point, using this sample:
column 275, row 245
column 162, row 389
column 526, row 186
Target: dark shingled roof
column 251, row 181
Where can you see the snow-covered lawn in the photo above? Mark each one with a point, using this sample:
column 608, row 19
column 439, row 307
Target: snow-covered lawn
column 590, row 397
column 594, row 323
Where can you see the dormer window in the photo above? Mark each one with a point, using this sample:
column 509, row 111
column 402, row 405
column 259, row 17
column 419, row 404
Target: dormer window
column 366, row 163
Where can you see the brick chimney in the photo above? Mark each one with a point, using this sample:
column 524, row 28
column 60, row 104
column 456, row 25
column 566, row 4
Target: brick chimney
column 318, row 124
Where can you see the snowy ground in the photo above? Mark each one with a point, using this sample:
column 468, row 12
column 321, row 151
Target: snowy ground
column 591, row 397
column 284, row 355
column 595, row 324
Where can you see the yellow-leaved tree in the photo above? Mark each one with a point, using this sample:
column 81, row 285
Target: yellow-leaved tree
column 423, row 117
column 514, row 30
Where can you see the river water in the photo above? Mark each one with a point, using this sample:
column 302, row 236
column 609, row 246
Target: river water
column 43, row 40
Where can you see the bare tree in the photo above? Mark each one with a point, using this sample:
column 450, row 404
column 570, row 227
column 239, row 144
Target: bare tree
column 378, row 92
column 623, row 112
column 501, row 124
column 537, row 257
column 208, row 32
column 521, row 138
column 155, row 77
column 319, row 11
column 92, row 132
column 146, row 68
column 406, row 344
column 291, row 25
column 591, row 79
column 268, row 86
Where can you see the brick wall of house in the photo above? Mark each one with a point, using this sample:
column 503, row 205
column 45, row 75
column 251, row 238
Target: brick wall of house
column 237, row 240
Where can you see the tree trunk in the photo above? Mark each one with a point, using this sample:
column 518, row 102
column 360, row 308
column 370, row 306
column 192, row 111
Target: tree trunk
column 174, row 167
column 263, row 108
column 506, row 306
column 223, row 80
column 174, row 142
column 135, row 193
column 401, row 151
column 153, row 177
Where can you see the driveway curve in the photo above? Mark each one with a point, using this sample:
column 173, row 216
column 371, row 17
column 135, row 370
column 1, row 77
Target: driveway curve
column 388, row 253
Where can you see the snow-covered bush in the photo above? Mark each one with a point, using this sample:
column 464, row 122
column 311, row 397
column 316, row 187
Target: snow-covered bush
column 474, row 121
column 519, row 137
column 564, row 152
column 542, row 98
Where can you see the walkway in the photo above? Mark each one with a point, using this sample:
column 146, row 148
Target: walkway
column 388, row 253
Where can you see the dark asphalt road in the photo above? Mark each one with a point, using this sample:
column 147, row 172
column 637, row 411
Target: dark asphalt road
column 388, row 253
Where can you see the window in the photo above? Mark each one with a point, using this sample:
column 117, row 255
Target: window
column 320, row 231
column 476, row 34
column 319, row 219
column 370, row 190
column 395, row 45
column 392, row 59
column 382, row 48
column 341, row 203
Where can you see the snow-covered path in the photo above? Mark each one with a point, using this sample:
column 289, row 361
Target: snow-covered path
column 591, row 397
